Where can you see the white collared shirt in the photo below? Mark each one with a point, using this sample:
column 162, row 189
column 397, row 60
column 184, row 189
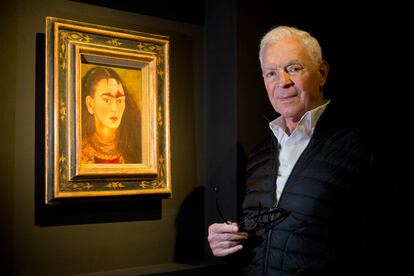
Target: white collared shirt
column 292, row 146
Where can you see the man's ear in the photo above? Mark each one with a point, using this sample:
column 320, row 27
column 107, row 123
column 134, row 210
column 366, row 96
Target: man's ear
column 323, row 70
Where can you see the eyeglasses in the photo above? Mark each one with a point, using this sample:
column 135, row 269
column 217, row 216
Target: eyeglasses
column 264, row 219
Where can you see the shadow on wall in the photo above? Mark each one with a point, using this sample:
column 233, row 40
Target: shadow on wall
column 189, row 223
column 189, row 246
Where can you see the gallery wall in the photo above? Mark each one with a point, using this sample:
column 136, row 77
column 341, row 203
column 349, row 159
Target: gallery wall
column 42, row 240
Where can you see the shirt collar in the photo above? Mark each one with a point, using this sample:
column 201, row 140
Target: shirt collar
column 305, row 125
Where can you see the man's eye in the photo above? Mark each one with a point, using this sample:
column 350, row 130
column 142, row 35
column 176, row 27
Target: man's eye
column 270, row 74
column 294, row 68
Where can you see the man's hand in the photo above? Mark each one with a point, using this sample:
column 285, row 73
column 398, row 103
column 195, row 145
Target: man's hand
column 225, row 239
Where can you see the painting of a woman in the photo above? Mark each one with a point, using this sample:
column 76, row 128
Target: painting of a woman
column 111, row 121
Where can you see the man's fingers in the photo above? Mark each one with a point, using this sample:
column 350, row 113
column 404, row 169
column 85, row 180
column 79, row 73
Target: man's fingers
column 221, row 252
column 225, row 239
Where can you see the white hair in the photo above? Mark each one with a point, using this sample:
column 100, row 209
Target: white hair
column 310, row 43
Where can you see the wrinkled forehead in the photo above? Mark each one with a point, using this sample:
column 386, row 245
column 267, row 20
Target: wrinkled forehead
column 284, row 51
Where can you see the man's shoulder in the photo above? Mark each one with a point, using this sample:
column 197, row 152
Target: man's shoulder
column 336, row 119
column 265, row 145
column 262, row 152
column 340, row 131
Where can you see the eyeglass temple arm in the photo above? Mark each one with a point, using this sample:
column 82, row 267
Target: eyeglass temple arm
column 218, row 207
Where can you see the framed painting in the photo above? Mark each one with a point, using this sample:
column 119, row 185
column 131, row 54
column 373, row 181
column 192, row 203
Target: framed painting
column 106, row 112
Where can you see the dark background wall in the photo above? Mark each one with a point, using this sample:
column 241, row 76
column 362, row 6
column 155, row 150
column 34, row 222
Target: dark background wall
column 218, row 103
column 366, row 47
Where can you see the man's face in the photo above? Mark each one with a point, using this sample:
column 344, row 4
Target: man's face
column 293, row 82
column 108, row 103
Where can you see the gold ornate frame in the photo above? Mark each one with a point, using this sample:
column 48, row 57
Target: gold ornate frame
column 142, row 62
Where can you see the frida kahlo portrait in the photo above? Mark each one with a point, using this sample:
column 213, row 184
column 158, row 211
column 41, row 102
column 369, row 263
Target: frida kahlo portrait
column 111, row 119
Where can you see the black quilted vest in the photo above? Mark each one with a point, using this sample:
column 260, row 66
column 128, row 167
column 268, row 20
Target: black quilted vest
column 324, row 194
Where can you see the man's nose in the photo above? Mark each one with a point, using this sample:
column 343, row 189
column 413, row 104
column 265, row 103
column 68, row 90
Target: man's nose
column 283, row 79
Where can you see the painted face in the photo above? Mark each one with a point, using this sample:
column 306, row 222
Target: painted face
column 293, row 82
column 107, row 104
